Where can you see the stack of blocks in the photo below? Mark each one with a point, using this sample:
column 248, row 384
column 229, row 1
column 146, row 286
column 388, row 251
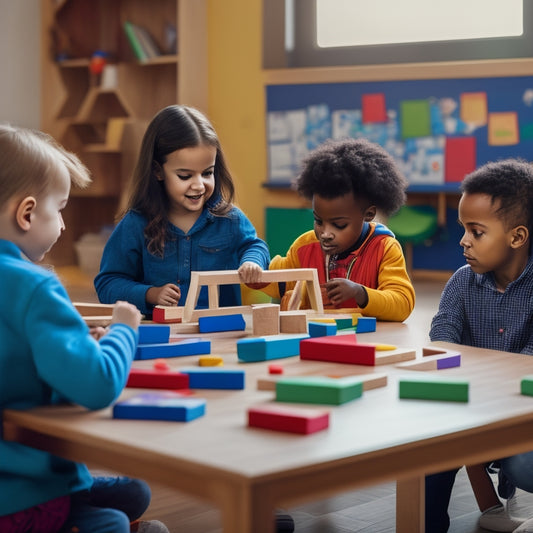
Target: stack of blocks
column 154, row 343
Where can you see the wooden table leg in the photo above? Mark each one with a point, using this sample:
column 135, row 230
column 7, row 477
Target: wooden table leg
column 410, row 504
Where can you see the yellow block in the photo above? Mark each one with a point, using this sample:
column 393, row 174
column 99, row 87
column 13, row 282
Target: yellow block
column 210, row 360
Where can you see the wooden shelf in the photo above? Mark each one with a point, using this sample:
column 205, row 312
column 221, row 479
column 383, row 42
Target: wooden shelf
column 104, row 126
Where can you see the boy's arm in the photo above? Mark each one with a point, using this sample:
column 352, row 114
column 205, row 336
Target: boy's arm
column 68, row 359
column 394, row 297
column 449, row 322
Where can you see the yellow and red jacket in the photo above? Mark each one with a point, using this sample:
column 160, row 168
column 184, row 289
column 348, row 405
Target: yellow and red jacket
column 378, row 265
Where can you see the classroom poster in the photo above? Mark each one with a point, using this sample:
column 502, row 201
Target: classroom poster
column 437, row 130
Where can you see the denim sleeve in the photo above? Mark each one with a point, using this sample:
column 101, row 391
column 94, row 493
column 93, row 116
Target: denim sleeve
column 251, row 247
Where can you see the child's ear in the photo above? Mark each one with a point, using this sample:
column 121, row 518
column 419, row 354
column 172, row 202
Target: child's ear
column 519, row 236
column 157, row 170
column 370, row 213
column 24, row 212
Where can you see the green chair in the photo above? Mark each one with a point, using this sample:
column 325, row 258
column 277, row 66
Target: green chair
column 412, row 225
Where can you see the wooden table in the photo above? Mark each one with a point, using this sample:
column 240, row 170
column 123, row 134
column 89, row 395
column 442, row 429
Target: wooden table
column 249, row 472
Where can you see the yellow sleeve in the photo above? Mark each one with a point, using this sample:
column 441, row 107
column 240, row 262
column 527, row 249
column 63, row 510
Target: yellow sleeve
column 394, row 298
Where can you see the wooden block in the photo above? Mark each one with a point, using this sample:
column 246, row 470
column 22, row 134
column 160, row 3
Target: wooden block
column 293, row 322
column 320, row 390
column 153, row 333
column 149, row 378
column 210, row 324
column 163, row 314
column 433, row 388
column 369, row 381
column 433, row 362
column 173, row 349
column 338, row 349
column 95, row 321
column 267, row 348
column 210, row 360
column 160, row 406
column 388, row 357
column 215, row 378
column 526, row 385
column 366, row 324
column 322, row 329
column 299, row 420
column 92, row 309
column 265, row 319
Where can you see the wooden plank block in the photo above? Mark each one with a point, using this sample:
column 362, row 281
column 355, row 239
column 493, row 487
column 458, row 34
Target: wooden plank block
column 93, row 309
column 265, row 319
column 433, row 388
column 286, row 418
column 215, row 378
column 321, row 390
column 173, row 349
column 369, row 381
column 210, row 324
column 149, row 378
column 255, row 349
column 322, row 329
column 153, row 333
column 160, row 406
column 293, row 321
column 388, row 357
column 433, row 362
column 228, row 277
column 95, row 321
column 164, row 314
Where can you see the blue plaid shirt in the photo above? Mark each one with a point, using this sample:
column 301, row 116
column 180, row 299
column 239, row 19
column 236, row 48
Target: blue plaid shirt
column 474, row 313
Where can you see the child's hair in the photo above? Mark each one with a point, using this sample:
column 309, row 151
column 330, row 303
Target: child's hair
column 27, row 158
column 173, row 128
column 511, row 182
column 336, row 168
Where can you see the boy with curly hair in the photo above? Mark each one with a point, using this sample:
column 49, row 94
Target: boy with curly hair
column 360, row 264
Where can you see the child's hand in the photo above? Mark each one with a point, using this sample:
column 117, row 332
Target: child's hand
column 339, row 290
column 168, row 294
column 97, row 332
column 126, row 313
column 250, row 272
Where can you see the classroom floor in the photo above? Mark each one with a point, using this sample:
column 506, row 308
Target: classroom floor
column 364, row 511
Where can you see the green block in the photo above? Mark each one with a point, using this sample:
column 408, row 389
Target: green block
column 526, row 385
column 430, row 388
column 344, row 323
column 321, row 390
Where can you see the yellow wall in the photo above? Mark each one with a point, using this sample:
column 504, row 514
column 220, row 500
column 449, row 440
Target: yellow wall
column 236, row 100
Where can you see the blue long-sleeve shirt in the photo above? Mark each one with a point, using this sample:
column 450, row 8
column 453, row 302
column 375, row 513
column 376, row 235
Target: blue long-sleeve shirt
column 473, row 312
column 128, row 270
column 47, row 354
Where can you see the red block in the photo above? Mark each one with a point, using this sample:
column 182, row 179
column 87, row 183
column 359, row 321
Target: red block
column 290, row 419
column 149, row 378
column 338, row 349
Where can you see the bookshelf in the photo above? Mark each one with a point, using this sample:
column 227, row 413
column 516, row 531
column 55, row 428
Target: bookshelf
column 102, row 117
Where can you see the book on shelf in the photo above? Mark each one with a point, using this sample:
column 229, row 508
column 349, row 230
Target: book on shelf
column 143, row 45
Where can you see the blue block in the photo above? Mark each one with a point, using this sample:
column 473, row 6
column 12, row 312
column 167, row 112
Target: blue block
column 322, row 329
column 153, row 334
column 160, row 406
column 214, row 378
column 173, row 349
column 268, row 348
column 209, row 324
column 366, row 324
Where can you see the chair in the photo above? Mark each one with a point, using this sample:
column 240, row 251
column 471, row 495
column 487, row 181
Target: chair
column 413, row 225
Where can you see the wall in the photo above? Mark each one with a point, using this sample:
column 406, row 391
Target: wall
column 236, row 98
column 20, row 88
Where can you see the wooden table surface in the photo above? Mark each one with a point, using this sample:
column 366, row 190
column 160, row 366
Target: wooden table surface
column 249, row 472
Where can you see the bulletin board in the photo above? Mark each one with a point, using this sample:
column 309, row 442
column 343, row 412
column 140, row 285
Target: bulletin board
column 437, row 130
